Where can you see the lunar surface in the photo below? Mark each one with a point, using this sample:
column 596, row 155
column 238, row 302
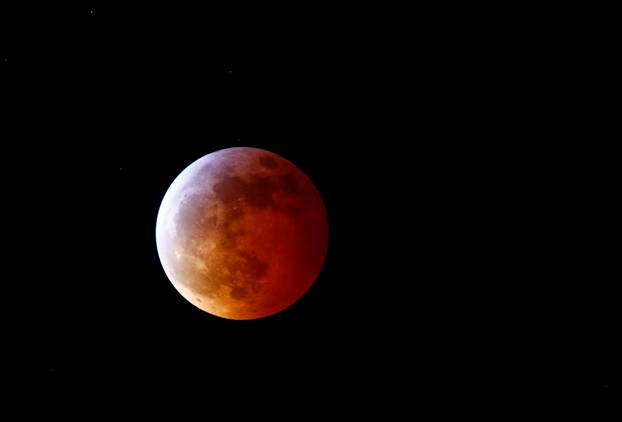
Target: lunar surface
column 242, row 233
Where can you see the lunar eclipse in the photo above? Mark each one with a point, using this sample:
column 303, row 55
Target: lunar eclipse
column 242, row 233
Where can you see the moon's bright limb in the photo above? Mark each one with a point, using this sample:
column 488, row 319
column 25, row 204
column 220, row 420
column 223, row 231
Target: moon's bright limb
column 242, row 233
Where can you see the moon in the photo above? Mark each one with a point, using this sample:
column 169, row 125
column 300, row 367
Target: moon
column 242, row 233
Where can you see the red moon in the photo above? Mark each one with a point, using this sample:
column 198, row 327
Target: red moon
column 242, row 233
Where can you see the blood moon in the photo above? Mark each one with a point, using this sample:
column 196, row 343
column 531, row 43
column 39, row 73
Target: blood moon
column 242, row 233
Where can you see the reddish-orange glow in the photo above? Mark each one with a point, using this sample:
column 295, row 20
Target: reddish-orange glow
column 242, row 233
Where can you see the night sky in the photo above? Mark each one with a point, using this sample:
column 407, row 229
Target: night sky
column 439, row 271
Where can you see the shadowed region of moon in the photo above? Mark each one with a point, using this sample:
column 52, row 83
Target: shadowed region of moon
column 242, row 233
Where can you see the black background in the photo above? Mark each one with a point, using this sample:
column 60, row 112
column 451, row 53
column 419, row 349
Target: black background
column 452, row 200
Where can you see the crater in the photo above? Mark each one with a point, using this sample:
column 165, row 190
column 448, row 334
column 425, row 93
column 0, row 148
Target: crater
column 292, row 210
column 268, row 162
column 289, row 184
column 230, row 188
column 251, row 267
column 256, row 191
column 238, row 293
column 260, row 192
